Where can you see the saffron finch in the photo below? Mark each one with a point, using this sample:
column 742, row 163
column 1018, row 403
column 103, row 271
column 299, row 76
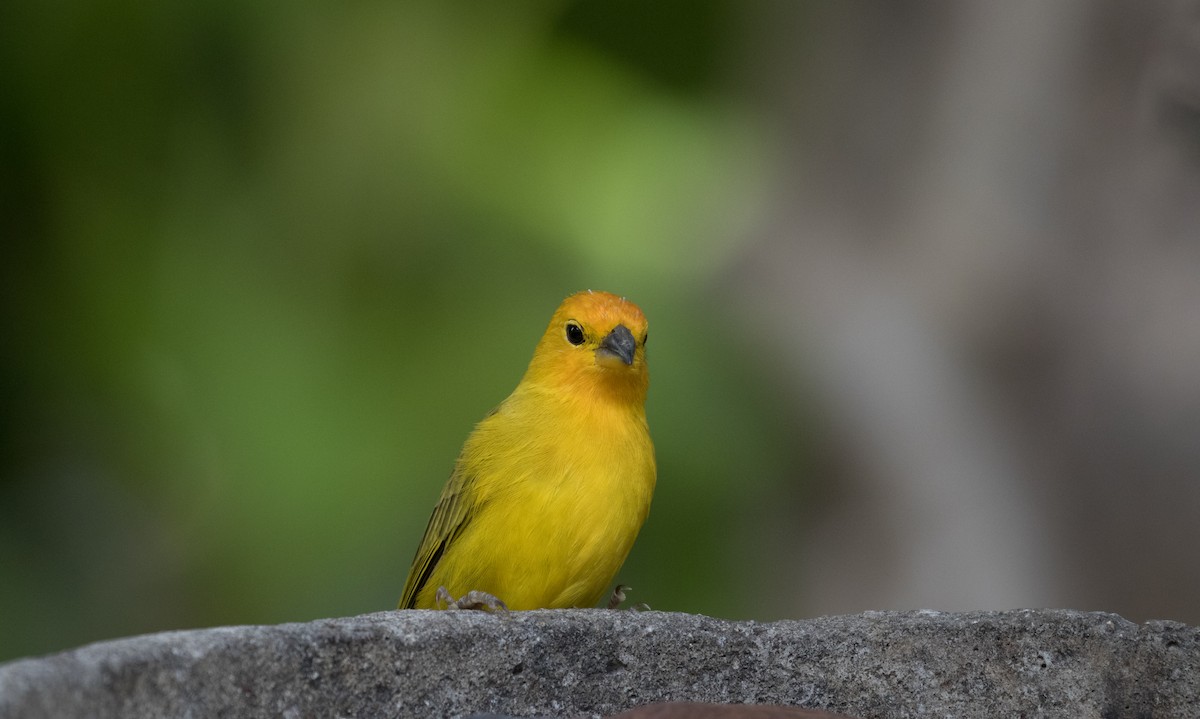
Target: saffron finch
column 551, row 488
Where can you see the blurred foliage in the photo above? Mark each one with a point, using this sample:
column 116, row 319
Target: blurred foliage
column 265, row 264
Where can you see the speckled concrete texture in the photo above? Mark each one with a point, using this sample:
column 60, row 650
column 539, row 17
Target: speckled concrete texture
column 593, row 663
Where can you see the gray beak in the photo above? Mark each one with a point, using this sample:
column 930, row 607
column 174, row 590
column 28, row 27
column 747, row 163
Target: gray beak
column 619, row 343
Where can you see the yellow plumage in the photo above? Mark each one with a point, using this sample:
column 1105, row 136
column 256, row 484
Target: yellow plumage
column 551, row 488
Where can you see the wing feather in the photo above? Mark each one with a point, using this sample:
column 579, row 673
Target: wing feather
column 452, row 513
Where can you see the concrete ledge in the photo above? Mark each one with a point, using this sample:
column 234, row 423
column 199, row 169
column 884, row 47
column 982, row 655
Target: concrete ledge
column 593, row 662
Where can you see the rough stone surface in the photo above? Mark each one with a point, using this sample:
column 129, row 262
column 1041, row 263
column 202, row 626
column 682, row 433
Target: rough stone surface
column 594, row 662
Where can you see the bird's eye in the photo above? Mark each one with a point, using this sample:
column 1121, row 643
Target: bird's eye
column 574, row 333
column 645, row 339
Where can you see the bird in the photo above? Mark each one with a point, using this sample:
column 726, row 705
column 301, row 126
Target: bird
column 551, row 488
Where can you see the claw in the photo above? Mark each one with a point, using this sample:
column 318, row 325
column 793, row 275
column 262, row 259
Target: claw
column 473, row 599
column 618, row 595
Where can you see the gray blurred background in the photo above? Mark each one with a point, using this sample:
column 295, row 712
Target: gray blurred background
column 923, row 281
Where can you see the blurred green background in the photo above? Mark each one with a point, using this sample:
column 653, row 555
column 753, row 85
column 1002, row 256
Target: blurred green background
column 921, row 278
column 267, row 264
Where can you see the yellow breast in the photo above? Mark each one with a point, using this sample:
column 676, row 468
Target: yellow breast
column 561, row 499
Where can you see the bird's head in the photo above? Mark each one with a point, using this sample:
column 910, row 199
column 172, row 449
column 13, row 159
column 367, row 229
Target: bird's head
column 595, row 345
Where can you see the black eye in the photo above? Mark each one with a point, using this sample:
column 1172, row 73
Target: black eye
column 574, row 333
column 645, row 339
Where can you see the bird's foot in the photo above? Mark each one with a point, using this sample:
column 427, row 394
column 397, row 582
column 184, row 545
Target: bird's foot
column 473, row 599
column 618, row 597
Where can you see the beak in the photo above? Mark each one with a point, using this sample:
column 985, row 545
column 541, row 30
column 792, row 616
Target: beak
column 617, row 345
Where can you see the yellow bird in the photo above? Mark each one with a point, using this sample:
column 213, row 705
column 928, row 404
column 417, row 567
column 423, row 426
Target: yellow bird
column 551, row 488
